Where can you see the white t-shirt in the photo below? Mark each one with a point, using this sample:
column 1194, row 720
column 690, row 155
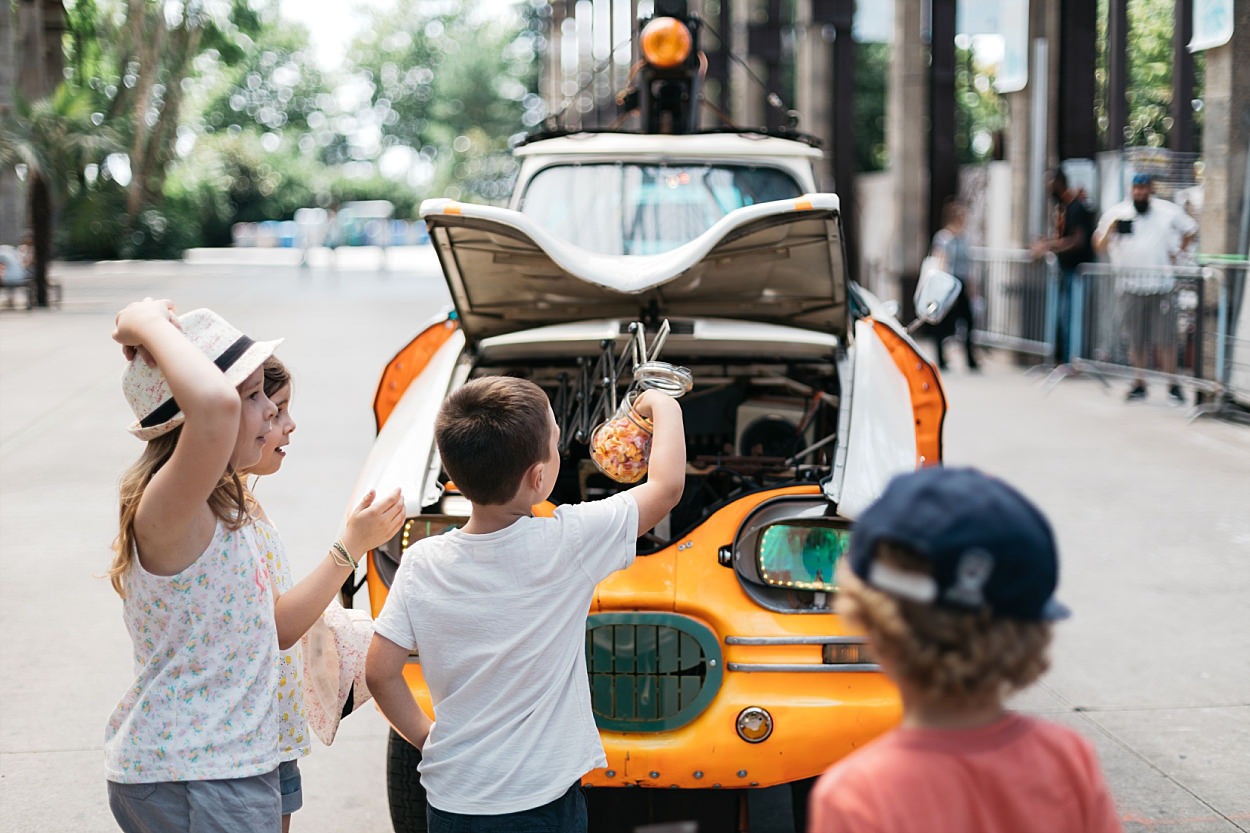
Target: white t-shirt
column 1154, row 242
column 500, row 623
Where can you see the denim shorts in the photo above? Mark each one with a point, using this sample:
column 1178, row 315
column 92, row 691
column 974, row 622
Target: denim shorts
column 292, row 787
column 226, row 806
column 567, row 814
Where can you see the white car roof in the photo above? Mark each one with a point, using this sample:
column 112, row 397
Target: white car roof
column 710, row 146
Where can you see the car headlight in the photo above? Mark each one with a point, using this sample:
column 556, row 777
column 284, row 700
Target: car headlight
column 792, row 544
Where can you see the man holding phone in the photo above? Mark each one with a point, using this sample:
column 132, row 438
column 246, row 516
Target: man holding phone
column 1144, row 237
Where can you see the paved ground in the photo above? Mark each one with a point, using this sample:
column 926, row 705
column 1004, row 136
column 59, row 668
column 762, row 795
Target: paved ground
column 1151, row 513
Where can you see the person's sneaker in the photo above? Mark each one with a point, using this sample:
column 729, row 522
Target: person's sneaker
column 1137, row 392
column 1175, row 394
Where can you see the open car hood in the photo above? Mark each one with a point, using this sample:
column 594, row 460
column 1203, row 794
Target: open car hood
column 775, row 262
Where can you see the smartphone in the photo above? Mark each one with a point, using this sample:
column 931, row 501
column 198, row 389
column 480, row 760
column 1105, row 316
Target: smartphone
column 1123, row 226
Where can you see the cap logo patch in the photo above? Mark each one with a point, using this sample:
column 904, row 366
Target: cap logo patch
column 971, row 574
column 902, row 583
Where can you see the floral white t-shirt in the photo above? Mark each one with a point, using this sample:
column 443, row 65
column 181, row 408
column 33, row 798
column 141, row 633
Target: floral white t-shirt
column 202, row 704
column 293, row 739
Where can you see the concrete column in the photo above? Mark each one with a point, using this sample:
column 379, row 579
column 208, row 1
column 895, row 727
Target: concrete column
column 1225, row 135
column 812, row 65
column 907, row 116
column 1026, row 192
column 1225, row 141
column 12, row 209
column 746, row 95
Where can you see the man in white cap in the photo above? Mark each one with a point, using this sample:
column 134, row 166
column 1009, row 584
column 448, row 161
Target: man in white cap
column 1144, row 236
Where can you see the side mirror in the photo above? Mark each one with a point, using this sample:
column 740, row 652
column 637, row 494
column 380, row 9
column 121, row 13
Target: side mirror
column 935, row 295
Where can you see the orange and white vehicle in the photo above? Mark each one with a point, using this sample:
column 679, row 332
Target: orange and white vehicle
column 721, row 680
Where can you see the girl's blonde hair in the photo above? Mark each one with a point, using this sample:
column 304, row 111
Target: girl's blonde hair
column 945, row 655
column 227, row 501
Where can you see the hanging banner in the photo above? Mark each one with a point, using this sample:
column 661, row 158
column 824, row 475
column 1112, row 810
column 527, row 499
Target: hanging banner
column 1013, row 73
column 1213, row 24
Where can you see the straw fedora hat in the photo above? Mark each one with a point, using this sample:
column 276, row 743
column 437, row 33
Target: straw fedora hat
column 334, row 668
column 148, row 393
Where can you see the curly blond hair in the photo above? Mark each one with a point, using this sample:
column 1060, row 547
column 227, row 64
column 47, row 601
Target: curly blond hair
column 944, row 654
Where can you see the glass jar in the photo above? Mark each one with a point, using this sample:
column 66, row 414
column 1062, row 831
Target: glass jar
column 621, row 446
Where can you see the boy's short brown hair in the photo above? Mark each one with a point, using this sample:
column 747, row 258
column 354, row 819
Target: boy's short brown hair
column 489, row 432
column 945, row 654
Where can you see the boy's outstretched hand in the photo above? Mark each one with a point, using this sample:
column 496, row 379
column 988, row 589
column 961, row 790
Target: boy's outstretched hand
column 374, row 522
column 666, row 468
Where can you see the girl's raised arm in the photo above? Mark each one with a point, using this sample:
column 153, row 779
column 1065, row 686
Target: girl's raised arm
column 174, row 380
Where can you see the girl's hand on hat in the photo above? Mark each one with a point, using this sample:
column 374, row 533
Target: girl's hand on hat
column 133, row 321
column 374, row 522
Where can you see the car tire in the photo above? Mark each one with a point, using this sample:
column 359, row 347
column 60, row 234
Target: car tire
column 404, row 792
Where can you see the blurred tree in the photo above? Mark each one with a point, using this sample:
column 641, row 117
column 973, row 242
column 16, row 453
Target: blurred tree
column 12, row 216
column 452, row 83
column 57, row 141
column 136, row 58
column 1149, row 87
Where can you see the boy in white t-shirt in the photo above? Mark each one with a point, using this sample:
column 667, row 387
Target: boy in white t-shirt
column 497, row 611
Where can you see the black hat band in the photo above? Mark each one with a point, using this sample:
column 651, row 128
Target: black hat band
column 169, row 409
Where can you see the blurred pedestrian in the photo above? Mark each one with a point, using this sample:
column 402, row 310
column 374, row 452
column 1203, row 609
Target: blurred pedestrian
column 1071, row 244
column 950, row 254
column 951, row 575
column 1144, row 237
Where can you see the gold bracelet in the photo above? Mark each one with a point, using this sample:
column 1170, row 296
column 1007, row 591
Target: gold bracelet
column 342, row 557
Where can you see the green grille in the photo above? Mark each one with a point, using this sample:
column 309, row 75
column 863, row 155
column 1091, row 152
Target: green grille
column 650, row 672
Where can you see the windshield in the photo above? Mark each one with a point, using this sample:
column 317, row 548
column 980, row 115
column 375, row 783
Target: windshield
column 638, row 209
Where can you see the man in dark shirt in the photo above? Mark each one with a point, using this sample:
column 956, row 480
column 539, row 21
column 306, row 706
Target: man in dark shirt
column 1072, row 245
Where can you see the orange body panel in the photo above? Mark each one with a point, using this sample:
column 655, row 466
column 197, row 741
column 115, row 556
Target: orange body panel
column 927, row 399
column 819, row 716
column 406, row 366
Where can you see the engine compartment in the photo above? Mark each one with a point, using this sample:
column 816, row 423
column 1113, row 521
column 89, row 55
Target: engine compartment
column 750, row 425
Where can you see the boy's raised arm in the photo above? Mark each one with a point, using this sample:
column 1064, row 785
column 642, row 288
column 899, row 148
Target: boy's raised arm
column 666, row 471
column 384, row 674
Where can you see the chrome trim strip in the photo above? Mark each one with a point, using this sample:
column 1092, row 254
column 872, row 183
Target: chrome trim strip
column 803, row 669
column 795, row 640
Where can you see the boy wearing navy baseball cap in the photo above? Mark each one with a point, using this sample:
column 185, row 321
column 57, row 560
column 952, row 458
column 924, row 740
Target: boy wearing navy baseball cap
column 952, row 576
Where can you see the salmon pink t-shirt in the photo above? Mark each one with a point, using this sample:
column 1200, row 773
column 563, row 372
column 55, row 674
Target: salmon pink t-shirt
column 1019, row 774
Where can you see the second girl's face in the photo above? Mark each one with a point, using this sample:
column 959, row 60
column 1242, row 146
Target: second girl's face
column 279, row 435
column 254, row 421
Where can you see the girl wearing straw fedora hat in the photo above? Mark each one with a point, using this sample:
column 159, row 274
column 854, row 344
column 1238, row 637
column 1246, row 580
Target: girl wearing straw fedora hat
column 192, row 745
column 299, row 607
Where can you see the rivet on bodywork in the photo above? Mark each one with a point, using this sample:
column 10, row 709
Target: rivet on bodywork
column 742, row 773
column 611, row 773
column 654, row 774
column 698, row 773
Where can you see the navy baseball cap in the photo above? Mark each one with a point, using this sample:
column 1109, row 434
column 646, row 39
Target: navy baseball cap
column 1143, row 179
column 989, row 547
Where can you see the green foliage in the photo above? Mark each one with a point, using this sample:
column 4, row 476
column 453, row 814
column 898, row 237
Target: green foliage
column 980, row 115
column 1148, row 92
column 95, row 227
column 454, row 87
column 872, row 79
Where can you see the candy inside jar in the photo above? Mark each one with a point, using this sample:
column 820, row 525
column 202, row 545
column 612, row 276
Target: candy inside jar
column 621, row 446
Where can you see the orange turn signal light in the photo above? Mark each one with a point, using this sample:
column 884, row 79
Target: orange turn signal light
column 666, row 42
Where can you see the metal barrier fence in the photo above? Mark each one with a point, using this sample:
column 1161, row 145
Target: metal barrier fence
column 1160, row 324
column 1185, row 326
column 1235, row 373
column 1016, row 299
